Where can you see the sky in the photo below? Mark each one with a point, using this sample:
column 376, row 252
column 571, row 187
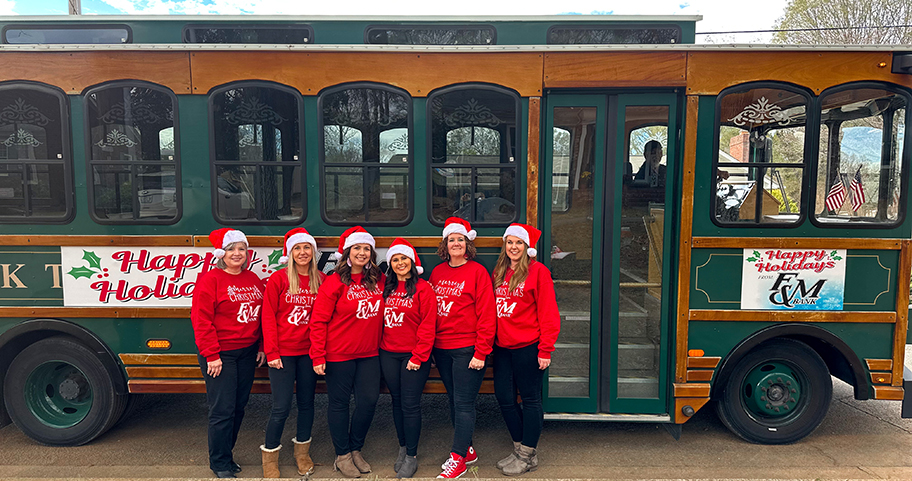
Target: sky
column 718, row 15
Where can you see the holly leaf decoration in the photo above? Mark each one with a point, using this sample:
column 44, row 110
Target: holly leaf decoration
column 757, row 254
column 751, row 259
column 274, row 257
column 78, row 272
column 93, row 260
column 834, row 256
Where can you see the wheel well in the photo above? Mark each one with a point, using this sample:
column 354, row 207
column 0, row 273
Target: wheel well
column 13, row 341
column 840, row 359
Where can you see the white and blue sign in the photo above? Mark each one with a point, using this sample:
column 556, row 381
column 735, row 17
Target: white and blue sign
column 793, row 279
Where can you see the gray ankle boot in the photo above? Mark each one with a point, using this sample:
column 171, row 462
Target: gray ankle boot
column 522, row 462
column 409, row 466
column 505, row 461
column 399, row 459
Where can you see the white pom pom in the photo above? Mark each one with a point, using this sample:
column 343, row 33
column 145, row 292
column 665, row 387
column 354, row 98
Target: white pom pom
column 472, row 234
column 337, row 255
column 419, row 269
column 532, row 252
column 219, row 253
column 283, row 260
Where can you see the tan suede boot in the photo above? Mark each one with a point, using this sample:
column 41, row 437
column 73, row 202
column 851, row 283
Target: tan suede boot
column 271, row 462
column 505, row 461
column 359, row 461
column 302, row 457
column 344, row 465
column 522, row 462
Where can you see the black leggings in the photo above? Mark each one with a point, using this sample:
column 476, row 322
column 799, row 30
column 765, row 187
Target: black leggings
column 358, row 376
column 517, row 369
column 462, row 385
column 295, row 370
column 405, row 388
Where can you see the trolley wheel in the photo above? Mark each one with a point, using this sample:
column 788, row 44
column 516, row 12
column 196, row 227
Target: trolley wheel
column 776, row 394
column 59, row 393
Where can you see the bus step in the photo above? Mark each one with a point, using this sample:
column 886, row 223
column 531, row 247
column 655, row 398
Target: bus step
column 570, row 359
column 622, row 418
column 638, row 387
column 636, row 354
column 568, row 386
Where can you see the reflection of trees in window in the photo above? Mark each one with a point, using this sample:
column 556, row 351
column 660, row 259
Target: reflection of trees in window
column 257, row 163
column 366, row 154
column 34, row 162
column 441, row 35
column 613, row 35
column 861, row 136
column 133, row 160
column 473, row 154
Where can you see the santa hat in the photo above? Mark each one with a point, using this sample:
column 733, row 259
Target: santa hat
column 402, row 246
column 527, row 233
column 455, row 225
column 355, row 235
column 222, row 238
column 297, row 235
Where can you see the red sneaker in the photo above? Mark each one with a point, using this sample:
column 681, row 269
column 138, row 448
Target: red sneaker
column 471, row 456
column 453, row 467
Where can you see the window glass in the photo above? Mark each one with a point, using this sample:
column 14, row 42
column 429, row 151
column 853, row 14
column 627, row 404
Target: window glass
column 613, row 35
column 258, row 166
column 860, row 157
column 443, row 35
column 278, row 34
column 133, row 157
column 560, row 171
column 473, row 155
column 34, row 162
column 365, row 132
column 760, row 167
column 94, row 34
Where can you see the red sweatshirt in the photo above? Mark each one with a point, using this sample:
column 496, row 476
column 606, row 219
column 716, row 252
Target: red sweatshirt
column 346, row 320
column 465, row 307
column 529, row 313
column 226, row 311
column 286, row 317
column 409, row 324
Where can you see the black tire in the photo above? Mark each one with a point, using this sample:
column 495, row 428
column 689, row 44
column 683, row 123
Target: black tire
column 778, row 393
column 58, row 392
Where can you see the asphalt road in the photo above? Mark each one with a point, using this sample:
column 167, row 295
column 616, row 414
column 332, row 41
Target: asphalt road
column 166, row 438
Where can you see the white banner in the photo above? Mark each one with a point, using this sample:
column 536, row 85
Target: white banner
column 797, row 279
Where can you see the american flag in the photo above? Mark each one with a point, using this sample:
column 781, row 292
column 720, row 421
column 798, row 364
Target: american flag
column 837, row 194
column 858, row 195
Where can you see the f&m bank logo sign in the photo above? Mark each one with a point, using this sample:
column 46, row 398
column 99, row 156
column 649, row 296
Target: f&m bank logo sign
column 796, row 279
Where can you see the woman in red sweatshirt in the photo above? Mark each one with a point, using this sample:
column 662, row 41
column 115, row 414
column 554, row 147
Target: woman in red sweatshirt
column 527, row 327
column 344, row 344
column 226, row 324
column 409, row 320
column 289, row 300
column 465, row 335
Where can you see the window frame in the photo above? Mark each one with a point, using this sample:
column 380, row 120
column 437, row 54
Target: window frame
column 185, row 32
column 90, row 163
column 380, row 26
column 635, row 26
column 519, row 164
column 810, row 150
column 214, row 163
column 904, row 159
column 321, row 154
column 50, row 26
column 66, row 160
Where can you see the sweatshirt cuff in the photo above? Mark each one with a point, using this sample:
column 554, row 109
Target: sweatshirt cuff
column 480, row 355
column 544, row 355
column 319, row 360
column 416, row 360
column 213, row 357
column 272, row 356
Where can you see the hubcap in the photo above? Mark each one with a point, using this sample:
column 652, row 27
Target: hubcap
column 58, row 394
column 772, row 390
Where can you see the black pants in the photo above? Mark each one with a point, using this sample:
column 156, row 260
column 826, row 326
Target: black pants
column 360, row 377
column 227, row 396
column 405, row 388
column 295, row 370
column 462, row 385
column 517, row 369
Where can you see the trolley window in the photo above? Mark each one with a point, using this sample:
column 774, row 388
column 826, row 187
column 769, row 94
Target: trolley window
column 265, row 34
column 599, row 34
column 760, row 167
column 431, row 35
column 257, row 165
column 859, row 173
column 67, row 34
column 132, row 145
column 367, row 155
column 473, row 154
column 35, row 162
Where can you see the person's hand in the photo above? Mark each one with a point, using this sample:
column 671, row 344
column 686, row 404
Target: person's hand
column 261, row 359
column 476, row 364
column 412, row 366
column 214, row 368
column 543, row 363
column 320, row 369
column 277, row 364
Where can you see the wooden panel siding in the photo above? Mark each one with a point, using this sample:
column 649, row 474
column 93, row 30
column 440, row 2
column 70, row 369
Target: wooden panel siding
column 703, row 362
column 615, row 69
column 902, row 312
column 326, row 242
column 690, row 159
column 74, row 72
column 699, row 375
column 532, row 172
column 794, row 243
column 888, row 393
column 97, row 240
column 695, row 402
column 792, row 316
column 691, row 390
column 881, row 378
column 417, row 73
column 879, row 364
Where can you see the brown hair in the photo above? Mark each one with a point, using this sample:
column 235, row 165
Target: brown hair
column 220, row 263
column 444, row 254
column 312, row 272
column 371, row 270
column 503, row 263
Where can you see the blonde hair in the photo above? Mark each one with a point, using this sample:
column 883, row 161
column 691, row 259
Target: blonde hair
column 503, row 263
column 313, row 272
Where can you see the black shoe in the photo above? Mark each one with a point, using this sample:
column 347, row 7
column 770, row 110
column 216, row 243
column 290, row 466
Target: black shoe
column 224, row 474
column 235, row 467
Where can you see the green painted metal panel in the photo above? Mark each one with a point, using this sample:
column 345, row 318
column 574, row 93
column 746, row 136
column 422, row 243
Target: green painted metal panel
column 30, row 276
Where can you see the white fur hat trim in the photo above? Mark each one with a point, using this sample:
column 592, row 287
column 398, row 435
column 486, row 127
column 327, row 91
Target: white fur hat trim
column 517, row 231
column 299, row 238
column 404, row 250
column 359, row 238
column 458, row 229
